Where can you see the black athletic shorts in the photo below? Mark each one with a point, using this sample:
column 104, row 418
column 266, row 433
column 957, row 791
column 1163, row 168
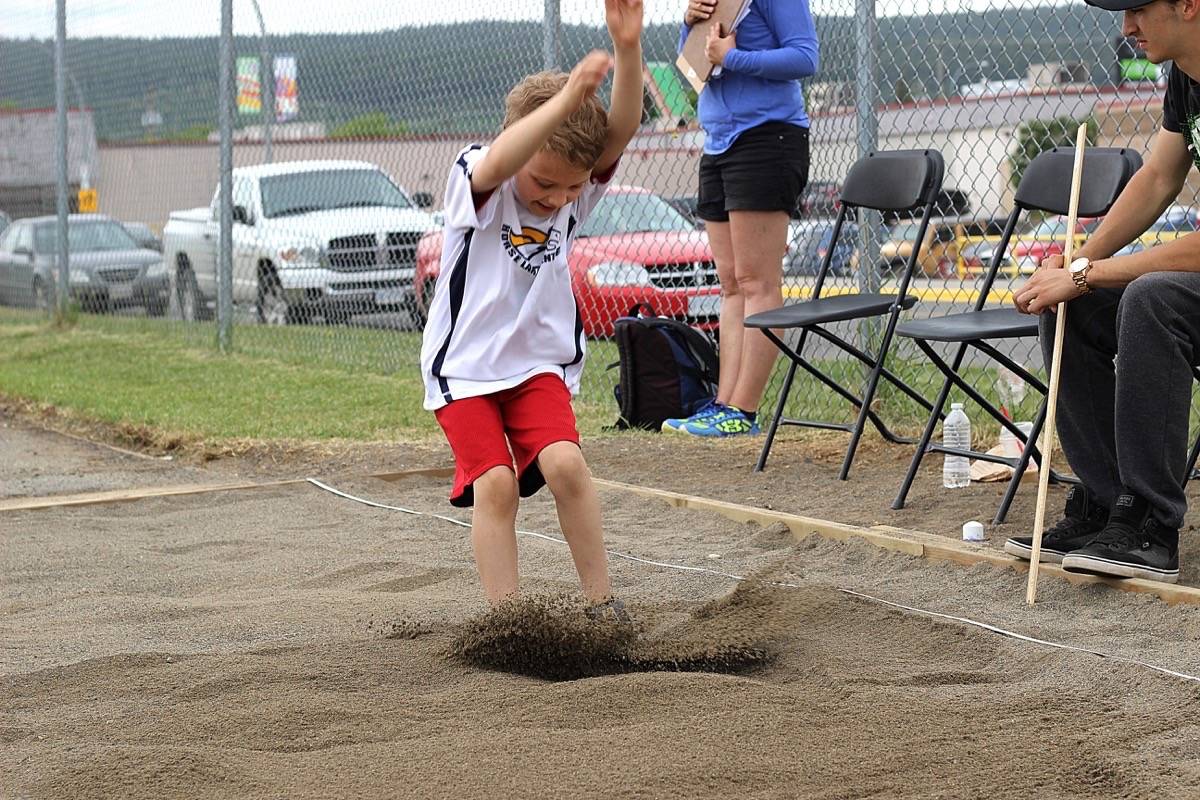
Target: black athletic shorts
column 764, row 170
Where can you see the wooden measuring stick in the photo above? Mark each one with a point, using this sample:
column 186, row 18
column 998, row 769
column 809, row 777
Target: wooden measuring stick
column 1060, row 325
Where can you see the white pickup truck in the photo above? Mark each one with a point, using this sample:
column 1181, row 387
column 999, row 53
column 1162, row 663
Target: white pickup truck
column 309, row 237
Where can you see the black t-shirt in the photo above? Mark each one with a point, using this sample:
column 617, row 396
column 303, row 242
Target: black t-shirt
column 1181, row 110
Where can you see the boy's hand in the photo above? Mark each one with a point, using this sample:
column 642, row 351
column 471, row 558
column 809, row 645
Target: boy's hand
column 716, row 47
column 587, row 76
column 698, row 11
column 624, row 18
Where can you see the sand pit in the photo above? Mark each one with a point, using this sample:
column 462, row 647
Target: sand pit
column 289, row 643
column 549, row 636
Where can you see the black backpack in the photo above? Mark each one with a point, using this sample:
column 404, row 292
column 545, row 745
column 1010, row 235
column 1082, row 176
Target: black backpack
column 667, row 370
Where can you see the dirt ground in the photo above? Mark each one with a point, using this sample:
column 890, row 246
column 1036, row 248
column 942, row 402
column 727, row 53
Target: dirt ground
column 288, row 642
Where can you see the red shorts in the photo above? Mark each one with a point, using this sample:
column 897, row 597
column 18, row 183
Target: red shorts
column 528, row 417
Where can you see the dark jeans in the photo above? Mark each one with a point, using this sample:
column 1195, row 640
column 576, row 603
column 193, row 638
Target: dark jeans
column 1125, row 388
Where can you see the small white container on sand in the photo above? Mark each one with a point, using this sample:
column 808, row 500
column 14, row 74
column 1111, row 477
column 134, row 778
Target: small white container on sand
column 973, row 531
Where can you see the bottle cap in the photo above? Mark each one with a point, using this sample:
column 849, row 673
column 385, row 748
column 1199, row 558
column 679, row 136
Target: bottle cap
column 973, row 531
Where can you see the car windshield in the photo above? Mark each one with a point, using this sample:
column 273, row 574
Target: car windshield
column 633, row 212
column 322, row 190
column 84, row 237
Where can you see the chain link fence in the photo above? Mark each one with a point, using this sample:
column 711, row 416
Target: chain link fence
column 344, row 123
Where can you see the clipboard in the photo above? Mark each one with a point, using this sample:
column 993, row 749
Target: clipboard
column 692, row 61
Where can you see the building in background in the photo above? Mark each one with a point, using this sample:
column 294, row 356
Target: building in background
column 28, row 175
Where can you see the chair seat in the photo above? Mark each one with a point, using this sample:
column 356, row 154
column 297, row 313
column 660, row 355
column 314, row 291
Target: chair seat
column 827, row 309
column 991, row 323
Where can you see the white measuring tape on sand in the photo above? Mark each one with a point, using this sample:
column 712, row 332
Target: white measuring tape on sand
column 685, row 568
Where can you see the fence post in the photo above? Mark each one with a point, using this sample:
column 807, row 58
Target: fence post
column 267, row 92
column 225, row 241
column 60, row 156
column 867, row 127
column 551, row 31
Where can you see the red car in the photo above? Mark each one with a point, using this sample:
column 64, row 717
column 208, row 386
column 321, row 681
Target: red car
column 1046, row 239
column 635, row 248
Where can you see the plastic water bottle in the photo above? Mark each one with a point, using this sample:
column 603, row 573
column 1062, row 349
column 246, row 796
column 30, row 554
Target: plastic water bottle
column 956, row 432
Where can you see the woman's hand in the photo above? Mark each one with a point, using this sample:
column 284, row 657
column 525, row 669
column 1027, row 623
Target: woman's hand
column 698, row 11
column 717, row 46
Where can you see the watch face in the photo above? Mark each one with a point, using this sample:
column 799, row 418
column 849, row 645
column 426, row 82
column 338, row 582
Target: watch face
column 1080, row 264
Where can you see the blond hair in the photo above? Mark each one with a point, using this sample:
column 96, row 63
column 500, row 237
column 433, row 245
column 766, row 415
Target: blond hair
column 580, row 139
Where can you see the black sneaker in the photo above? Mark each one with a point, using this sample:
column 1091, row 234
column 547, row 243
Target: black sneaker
column 611, row 610
column 1133, row 545
column 1083, row 518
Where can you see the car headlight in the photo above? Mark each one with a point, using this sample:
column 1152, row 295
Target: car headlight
column 302, row 256
column 156, row 269
column 619, row 273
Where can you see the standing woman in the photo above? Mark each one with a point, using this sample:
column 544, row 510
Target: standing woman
column 754, row 166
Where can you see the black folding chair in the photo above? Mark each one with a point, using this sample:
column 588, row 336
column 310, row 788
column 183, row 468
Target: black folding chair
column 1045, row 186
column 890, row 181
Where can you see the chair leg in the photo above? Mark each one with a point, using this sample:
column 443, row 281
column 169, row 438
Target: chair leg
column 863, row 411
column 1026, row 455
column 783, row 396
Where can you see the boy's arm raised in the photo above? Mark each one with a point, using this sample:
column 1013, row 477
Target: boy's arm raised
column 522, row 140
column 624, row 18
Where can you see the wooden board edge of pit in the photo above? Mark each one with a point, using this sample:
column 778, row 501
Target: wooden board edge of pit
column 418, row 472
column 917, row 543
column 131, row 495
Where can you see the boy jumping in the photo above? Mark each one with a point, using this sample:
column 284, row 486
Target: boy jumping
column 503, row 346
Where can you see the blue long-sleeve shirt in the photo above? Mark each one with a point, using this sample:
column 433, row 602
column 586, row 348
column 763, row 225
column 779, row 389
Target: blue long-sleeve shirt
column 760, row 79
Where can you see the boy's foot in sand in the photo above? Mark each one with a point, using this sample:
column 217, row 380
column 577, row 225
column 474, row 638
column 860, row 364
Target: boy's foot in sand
column 612, row 610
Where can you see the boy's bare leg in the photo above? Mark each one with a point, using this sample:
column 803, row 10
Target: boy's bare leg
column 494, row 533
column 578, row 505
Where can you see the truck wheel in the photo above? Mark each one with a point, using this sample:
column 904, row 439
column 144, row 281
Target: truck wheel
column 191, row 302
column 41, row 296
column 420, row 306
column 273, row 307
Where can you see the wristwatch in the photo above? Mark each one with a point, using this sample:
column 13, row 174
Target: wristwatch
column 1079, row 270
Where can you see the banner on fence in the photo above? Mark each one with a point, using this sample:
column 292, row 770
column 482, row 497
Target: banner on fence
column 287, row 90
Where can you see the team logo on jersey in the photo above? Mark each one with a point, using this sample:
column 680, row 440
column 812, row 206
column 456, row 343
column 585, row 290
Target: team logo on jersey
column 1193, row 130
column 529, row 247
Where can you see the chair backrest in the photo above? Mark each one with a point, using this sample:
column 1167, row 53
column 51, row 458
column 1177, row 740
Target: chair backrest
column 888, row 180
column 1046, row 182
column 894, row 180
column 1046, row 186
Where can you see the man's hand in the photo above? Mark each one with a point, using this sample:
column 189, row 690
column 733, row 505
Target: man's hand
column 586, row 78
column 624, row 18
column 717, row 46
column 1046, row 288
column 698, row 11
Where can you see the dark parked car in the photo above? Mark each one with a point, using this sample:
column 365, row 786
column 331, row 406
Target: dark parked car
column 143, row 235
column 819, row 199
column 809, row 242
column 107, row 268
column 686, row 205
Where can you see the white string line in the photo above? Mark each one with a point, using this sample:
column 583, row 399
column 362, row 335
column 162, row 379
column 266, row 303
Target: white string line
column 685, row 568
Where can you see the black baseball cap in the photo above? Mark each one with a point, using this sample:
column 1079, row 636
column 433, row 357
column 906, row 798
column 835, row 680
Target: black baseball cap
column 1118, row 5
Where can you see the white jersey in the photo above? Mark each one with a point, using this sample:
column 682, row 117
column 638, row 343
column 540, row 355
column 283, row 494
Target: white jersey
column 502, row 309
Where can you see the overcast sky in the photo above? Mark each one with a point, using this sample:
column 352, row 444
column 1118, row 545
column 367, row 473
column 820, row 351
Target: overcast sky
column 24, row 18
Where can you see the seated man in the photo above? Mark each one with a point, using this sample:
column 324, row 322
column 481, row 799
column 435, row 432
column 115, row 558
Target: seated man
column 1124, row 426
